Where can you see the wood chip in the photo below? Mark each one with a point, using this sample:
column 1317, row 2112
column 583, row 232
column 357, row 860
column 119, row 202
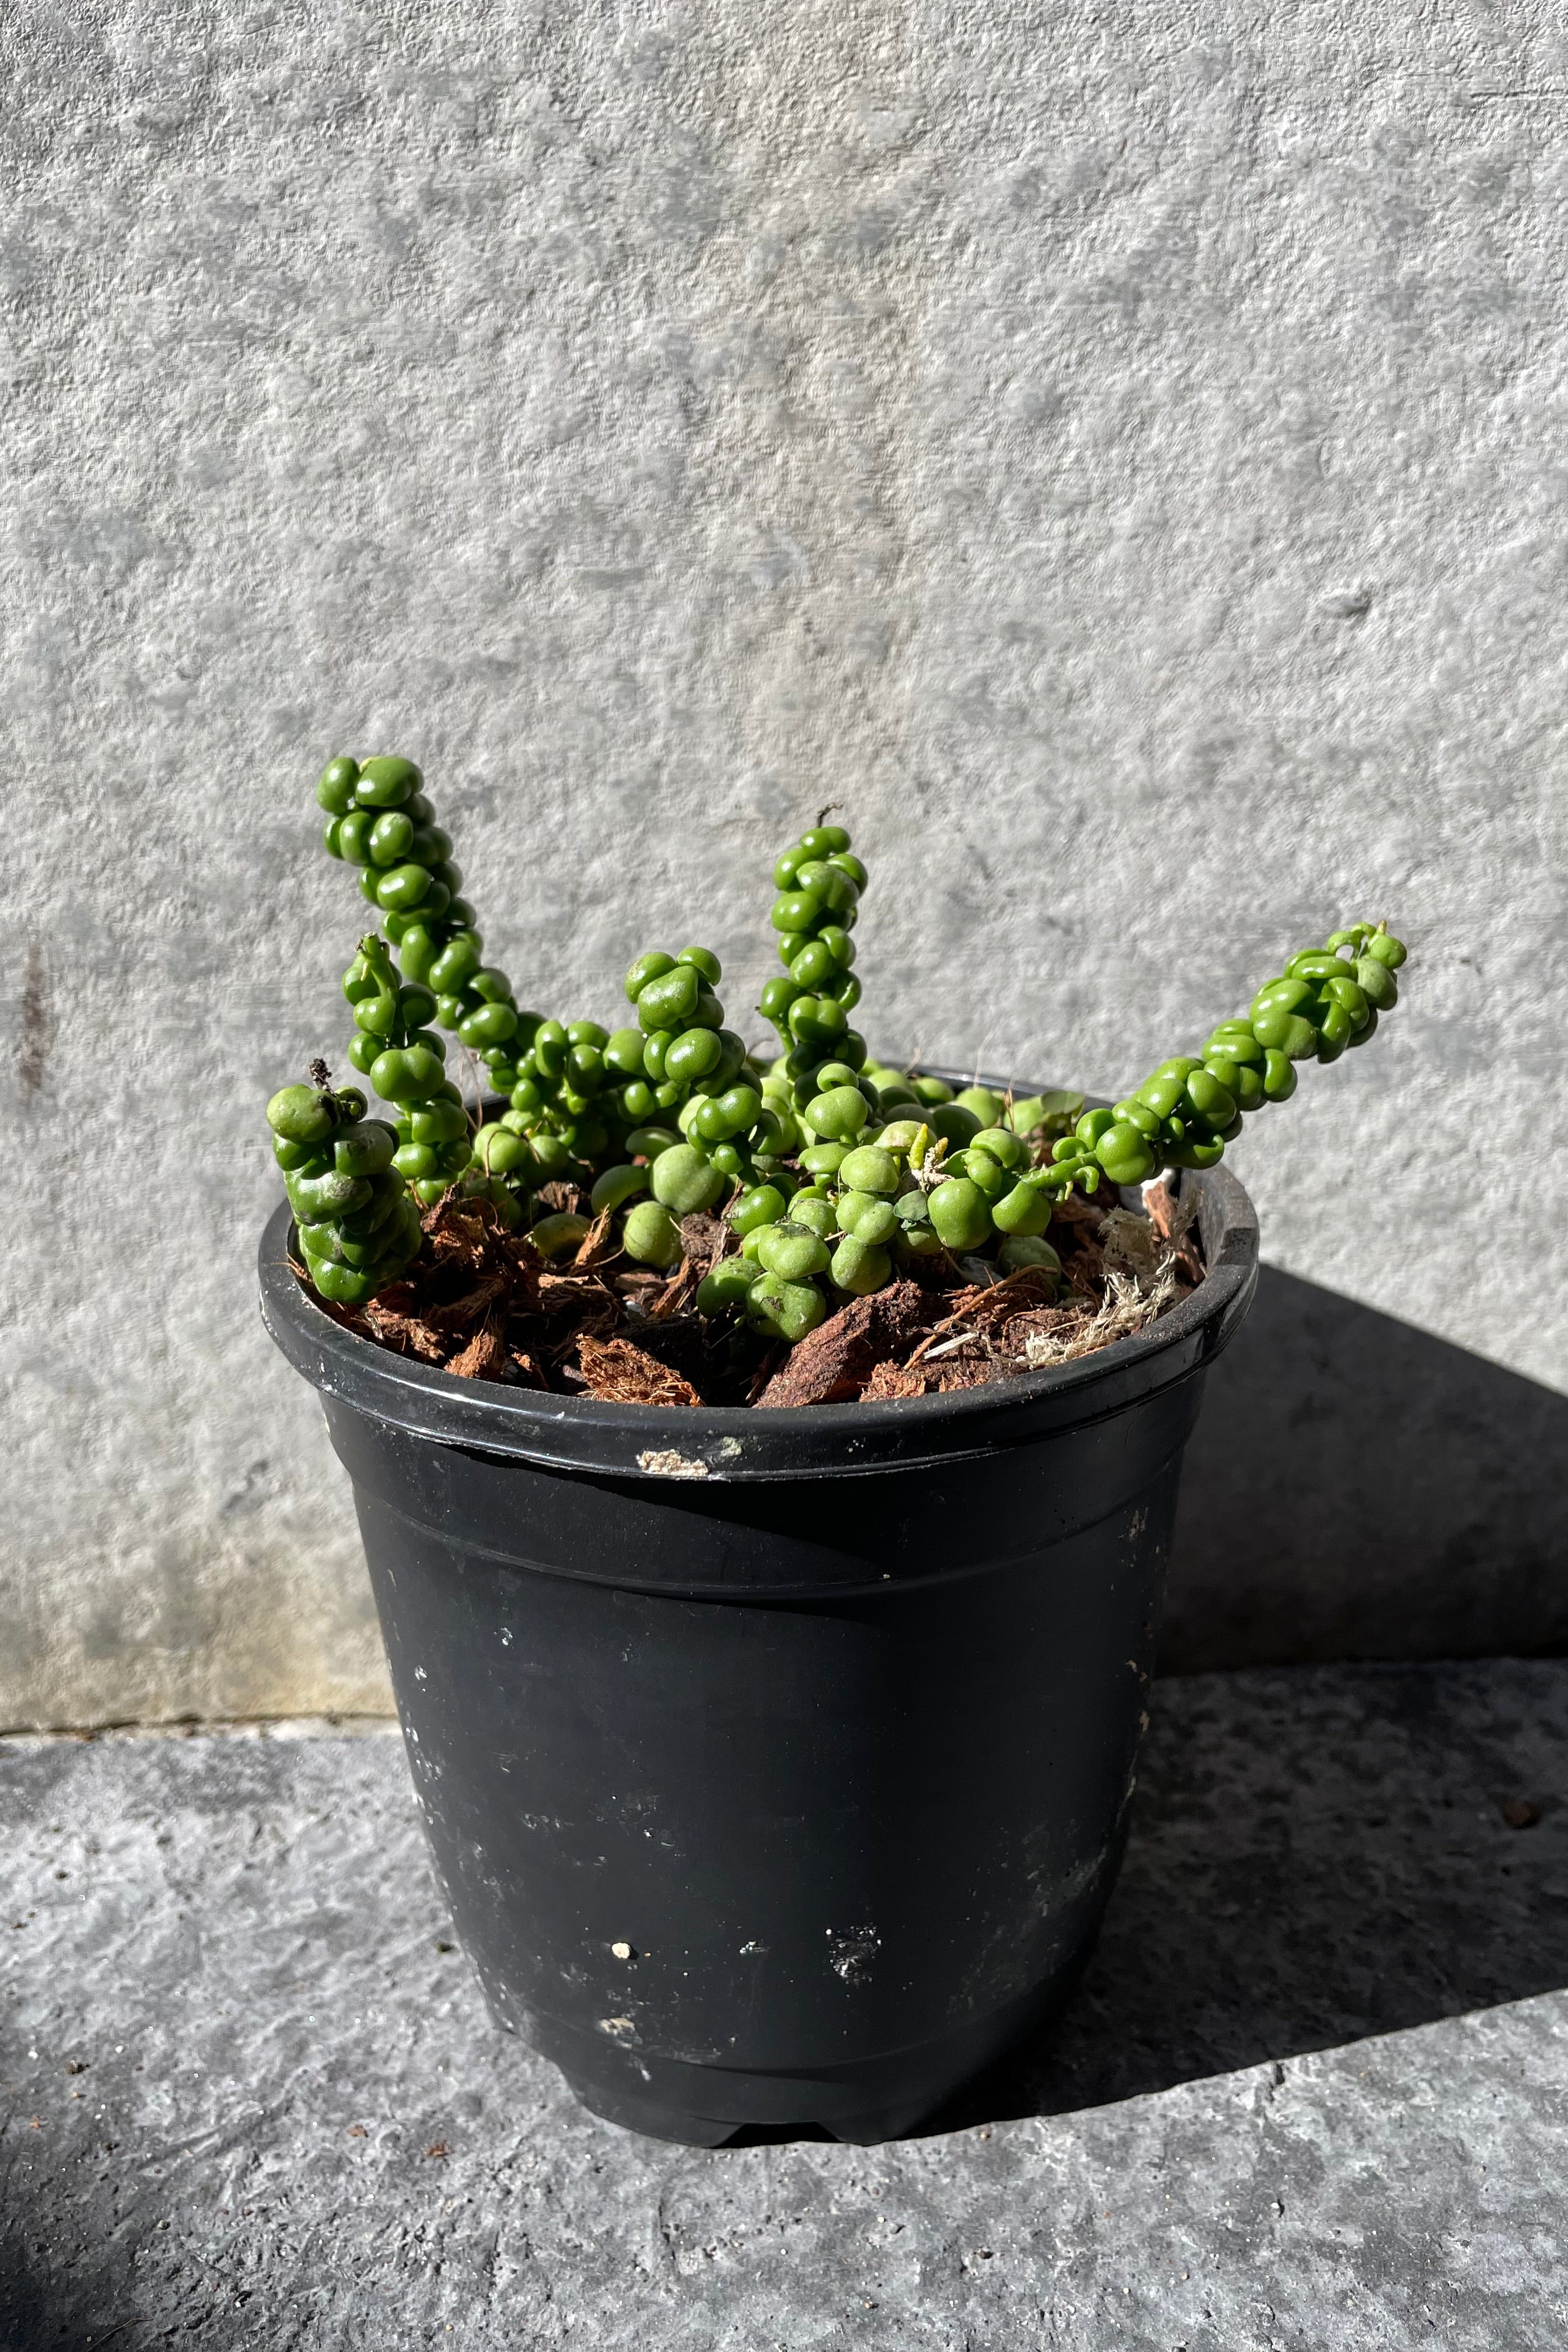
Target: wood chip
column 833, row 1362
column 949, row 1377
column 890, row 1382
column 484, row 1358
column 480, row 1293
column 1160, row 1208
column 623, row 1374
column 706, row 1240
column 560, row 1292
column 458, row 1230
column 598, row 1243
column 409, row 1334
column 400, row 1297
column 468, row 1309
column 1175, row 1222
column 641, row 1287
column 1073, row 1209
column 988, row 1309
column 677, row 1293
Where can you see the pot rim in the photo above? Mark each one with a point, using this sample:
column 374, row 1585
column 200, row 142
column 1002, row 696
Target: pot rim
column 730, row 1443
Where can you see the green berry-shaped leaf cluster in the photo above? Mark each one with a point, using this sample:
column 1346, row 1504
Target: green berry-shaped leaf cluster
column 379, row 819
column 819, row 881
column 1326, row 1001
column 685, row 1113
column 836, row 1173
column 895, row 1170
column 395, row 1047
column 882, row 1194
column 357, row 1226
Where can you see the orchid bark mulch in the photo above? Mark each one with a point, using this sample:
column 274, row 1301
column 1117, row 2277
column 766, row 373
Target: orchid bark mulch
column 480, row 1302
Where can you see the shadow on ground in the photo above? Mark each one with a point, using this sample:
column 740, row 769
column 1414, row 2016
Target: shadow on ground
column 1356, row 1488
column 1317, row 1855
column 40, row 2314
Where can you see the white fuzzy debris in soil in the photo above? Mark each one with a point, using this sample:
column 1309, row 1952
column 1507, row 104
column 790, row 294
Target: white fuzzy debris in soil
column 1140, row 1285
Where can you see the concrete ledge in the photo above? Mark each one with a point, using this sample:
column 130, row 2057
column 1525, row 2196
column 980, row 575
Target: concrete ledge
column 1312, row 2092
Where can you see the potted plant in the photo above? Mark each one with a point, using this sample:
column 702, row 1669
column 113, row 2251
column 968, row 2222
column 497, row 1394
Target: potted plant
column 767, row 1467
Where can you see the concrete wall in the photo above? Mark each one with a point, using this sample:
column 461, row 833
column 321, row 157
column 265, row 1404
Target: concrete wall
column 1115, row 452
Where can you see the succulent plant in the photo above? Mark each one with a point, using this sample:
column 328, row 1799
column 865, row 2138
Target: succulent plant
column 835, row 1172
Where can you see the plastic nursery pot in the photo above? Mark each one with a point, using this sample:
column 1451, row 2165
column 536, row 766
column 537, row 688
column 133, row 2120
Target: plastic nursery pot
column 776, row 1763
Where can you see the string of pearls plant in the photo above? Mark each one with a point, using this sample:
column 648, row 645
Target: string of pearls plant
column 835, row 1172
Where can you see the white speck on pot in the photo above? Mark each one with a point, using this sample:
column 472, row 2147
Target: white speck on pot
column 622, row 1951
column 670, row 1464
column 851, row 1954
column 619, row 2026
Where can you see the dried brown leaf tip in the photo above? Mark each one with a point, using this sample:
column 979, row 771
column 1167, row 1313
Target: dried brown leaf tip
column 623, row 1374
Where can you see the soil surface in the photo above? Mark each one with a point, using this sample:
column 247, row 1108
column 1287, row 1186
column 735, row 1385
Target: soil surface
column 481, row 1303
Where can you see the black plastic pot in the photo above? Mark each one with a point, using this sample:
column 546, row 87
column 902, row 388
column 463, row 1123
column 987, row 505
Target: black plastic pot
column 776, row 1763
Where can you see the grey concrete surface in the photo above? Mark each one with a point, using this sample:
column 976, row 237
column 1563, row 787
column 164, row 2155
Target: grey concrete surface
column 1112, row 451
column 1312, row 2096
